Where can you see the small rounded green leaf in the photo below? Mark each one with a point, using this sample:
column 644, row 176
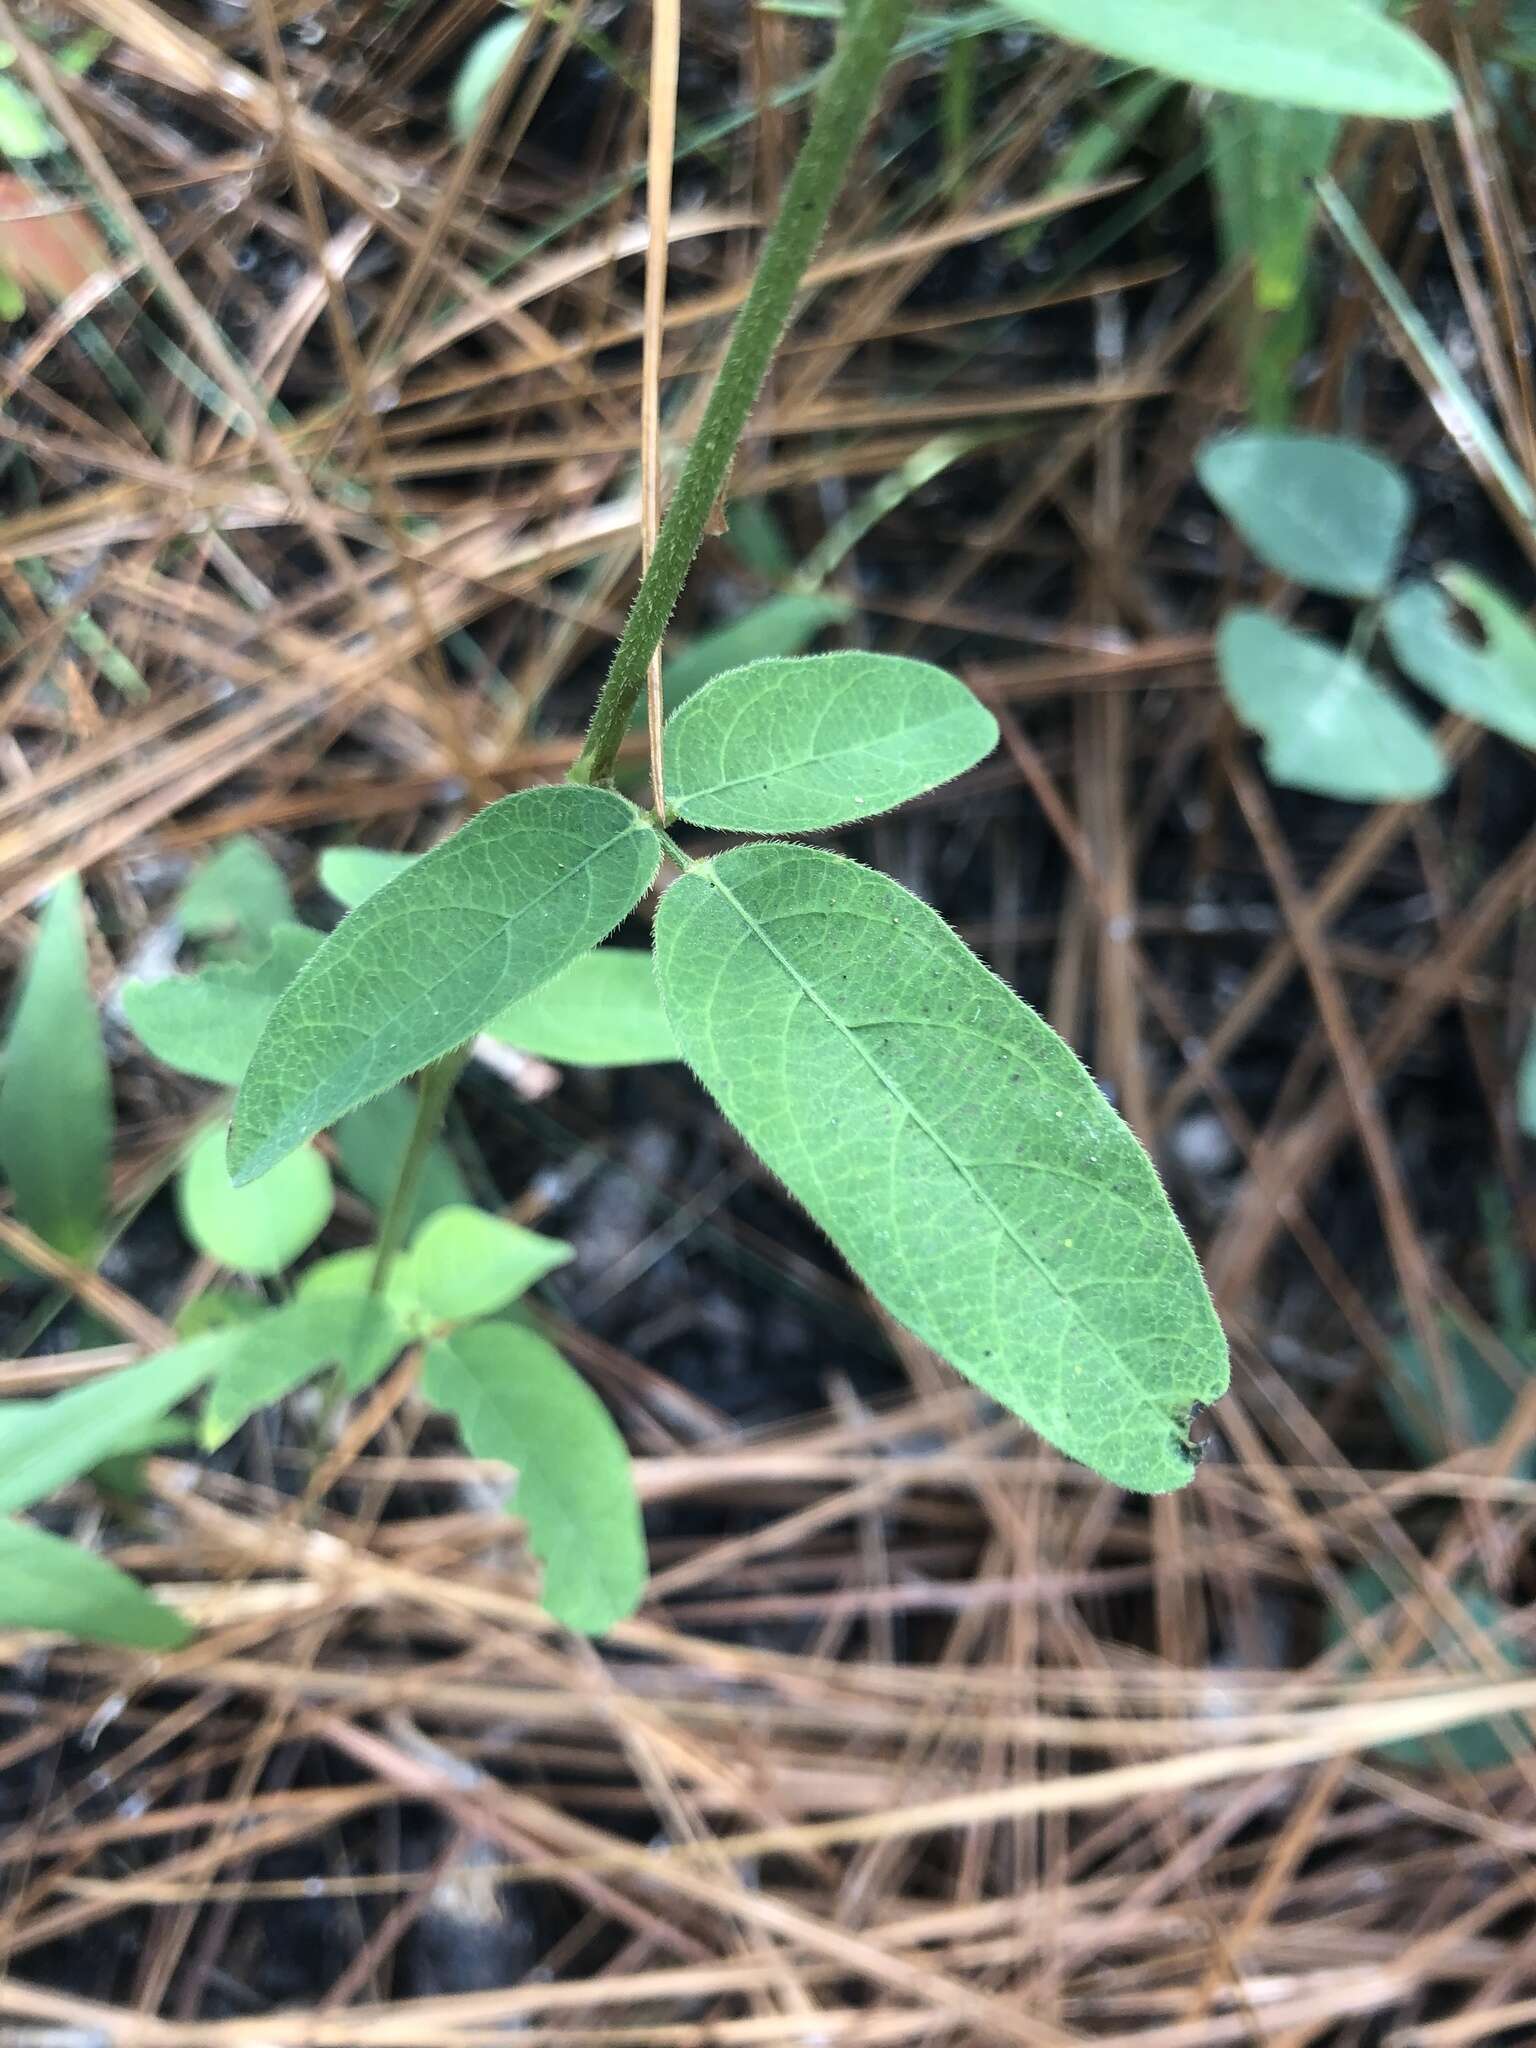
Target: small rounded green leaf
column 951, row 1146
column 49, row 1584
column 240, row 896
column 1327, row 724
column 465, row 1263
column 516, row 1400
column 24, row 132
column 354, row 873
column 485, row 918
column 259, row 1229
column 798, row 746
column 1337, row 54
column 489, row 56
column 604, row 1010
column 207, row 1024
column 1494, row 682
column 1525, row 1092
column 1324, row 512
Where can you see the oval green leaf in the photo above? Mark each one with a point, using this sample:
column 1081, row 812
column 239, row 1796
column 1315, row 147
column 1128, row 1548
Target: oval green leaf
column 950, row 1145
column 1494, row 682
column 260, row 1229
column 208, row 1024
column 239, row 898
column 798, row 746
column 485, row 918
column 604, row 1010
column 50, row 1584
column 1327, row 724
column 1337, row 54
column 465, row 1263
column 1324, row 512
column 489, row 56
column 516, row 1400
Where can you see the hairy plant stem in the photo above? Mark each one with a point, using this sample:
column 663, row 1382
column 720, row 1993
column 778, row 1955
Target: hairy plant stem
column 843, row 109
column 432, row 1096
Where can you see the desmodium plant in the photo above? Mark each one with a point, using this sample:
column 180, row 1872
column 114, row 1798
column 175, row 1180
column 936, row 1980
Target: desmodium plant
column 946, row 1140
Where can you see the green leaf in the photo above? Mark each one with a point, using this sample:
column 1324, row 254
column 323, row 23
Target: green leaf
column 24, row 132
column 1478, row 1745
column 516, row 1400
column 1336, row 54
column 465, row 1264
column 258, row 1229
column 50, row 1584
column 56, row 1097
column 349, row 1274
column 354, row 873
column 1416, row 1404
column 219, row 1308
column 269, row 1358
column 46, row 1444
column 1495, row 683
column 370, row 1147
column 240, row 896
column 783, row 625
column 486, row 917
column 1526, row 1087
column 489, row 56
column 1327, row 724
column 950, row 1145
column 604, row 1010
column 797, row 746
column 208, row 1024
column 1324, row 512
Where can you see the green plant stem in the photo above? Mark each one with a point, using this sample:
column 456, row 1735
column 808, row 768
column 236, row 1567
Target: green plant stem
column 433, row 1094
column 842, row 113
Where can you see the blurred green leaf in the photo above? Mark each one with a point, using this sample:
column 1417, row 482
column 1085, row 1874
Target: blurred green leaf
column 207, row 1024
column 353, row 873
column 489, row 56
column 1336, row 54
column 56, row 1096
column 1322, row 511
column 259, row 1229
column 46, row 1583
column 269, row 1358
column 1327, row 724
column 465, row 1264
column 46, row 1444
column 604, row 1010
column 1526, row 1096
column 1480, row 1745
column 240, row 897
column 516, row 1400
column 1494, row 682
column 24, row 129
